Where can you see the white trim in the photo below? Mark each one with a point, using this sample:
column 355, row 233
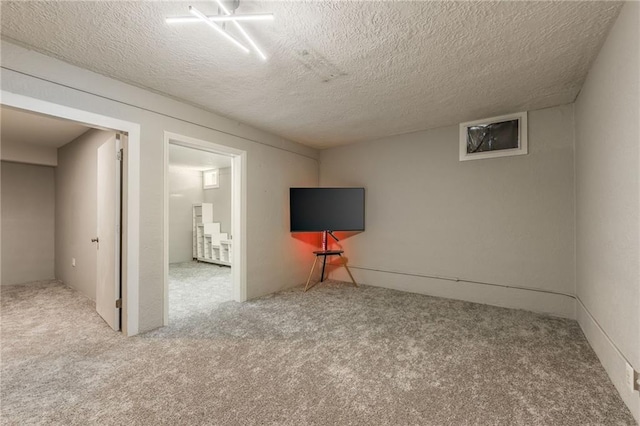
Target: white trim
column 239, row 223
column 613, row 361
column 238, row 209
column 131, row 189
column 165, row 230
column 549, row 303
column 522, row 149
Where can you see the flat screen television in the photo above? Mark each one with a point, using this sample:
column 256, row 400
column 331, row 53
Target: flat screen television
column 326, row 209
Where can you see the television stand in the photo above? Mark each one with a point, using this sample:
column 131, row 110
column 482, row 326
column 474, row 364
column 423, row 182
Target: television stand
column 324, row 253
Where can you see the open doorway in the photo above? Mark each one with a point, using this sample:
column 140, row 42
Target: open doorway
column 126, row 274
column 204, row 224
column 62, row 208
column 200, row 238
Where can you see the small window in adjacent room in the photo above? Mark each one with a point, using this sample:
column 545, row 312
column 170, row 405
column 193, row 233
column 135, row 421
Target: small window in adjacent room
column 210, row 179
column 494, row 137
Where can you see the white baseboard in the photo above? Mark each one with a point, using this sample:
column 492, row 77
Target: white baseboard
column 610, row 358
column 547, row 303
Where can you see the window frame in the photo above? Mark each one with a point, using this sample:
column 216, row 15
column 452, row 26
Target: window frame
column 523, row 146
column 216, row 174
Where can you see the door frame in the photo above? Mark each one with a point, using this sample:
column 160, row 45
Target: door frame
column 238, row 212
column 130, row 192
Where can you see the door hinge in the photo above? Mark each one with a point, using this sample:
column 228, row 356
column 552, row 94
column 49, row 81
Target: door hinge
column 119, row 303
column 119, row 155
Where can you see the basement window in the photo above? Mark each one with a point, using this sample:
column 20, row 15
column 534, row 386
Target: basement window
column 210, row 179
column 494, row 137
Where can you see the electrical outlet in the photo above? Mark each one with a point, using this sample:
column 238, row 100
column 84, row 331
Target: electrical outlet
column 631, row 377
column 73, row 262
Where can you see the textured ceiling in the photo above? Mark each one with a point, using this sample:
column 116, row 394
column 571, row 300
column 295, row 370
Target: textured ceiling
column 194, row 159
column 21, row 127
column 338, row 72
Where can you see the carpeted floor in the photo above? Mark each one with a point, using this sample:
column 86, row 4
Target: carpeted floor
column 334, row 356
column 195, row 288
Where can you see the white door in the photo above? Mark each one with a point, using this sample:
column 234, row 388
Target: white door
column 108, row 234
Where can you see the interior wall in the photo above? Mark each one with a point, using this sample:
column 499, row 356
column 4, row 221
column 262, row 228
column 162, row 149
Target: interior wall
column 28, row 153
column 275, row 259
column 221, row 199
column 28, row 232
column 608, row 202
column 185, row 190
column 76, row 211
column 503, row 221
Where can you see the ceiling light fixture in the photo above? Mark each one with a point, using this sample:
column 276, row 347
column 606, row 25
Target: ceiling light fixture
column 217, row 22
column 203, row 18
column 242, row 31
column 222, row 18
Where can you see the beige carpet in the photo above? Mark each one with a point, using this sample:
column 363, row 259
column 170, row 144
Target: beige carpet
column 197, row 287
column 333, row 356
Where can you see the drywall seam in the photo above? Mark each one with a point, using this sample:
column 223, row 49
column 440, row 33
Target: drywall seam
column 455, row 279
column 157, row 112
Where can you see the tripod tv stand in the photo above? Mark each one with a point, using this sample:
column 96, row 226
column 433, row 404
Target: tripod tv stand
column 324, row 253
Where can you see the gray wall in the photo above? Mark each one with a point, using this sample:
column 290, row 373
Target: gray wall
column 21, row 152
column 28, row 204
column 275, row 259
column 221, row 200
column 506, row 221
column 76, row 212
column 608, row 202
column 185, row 190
